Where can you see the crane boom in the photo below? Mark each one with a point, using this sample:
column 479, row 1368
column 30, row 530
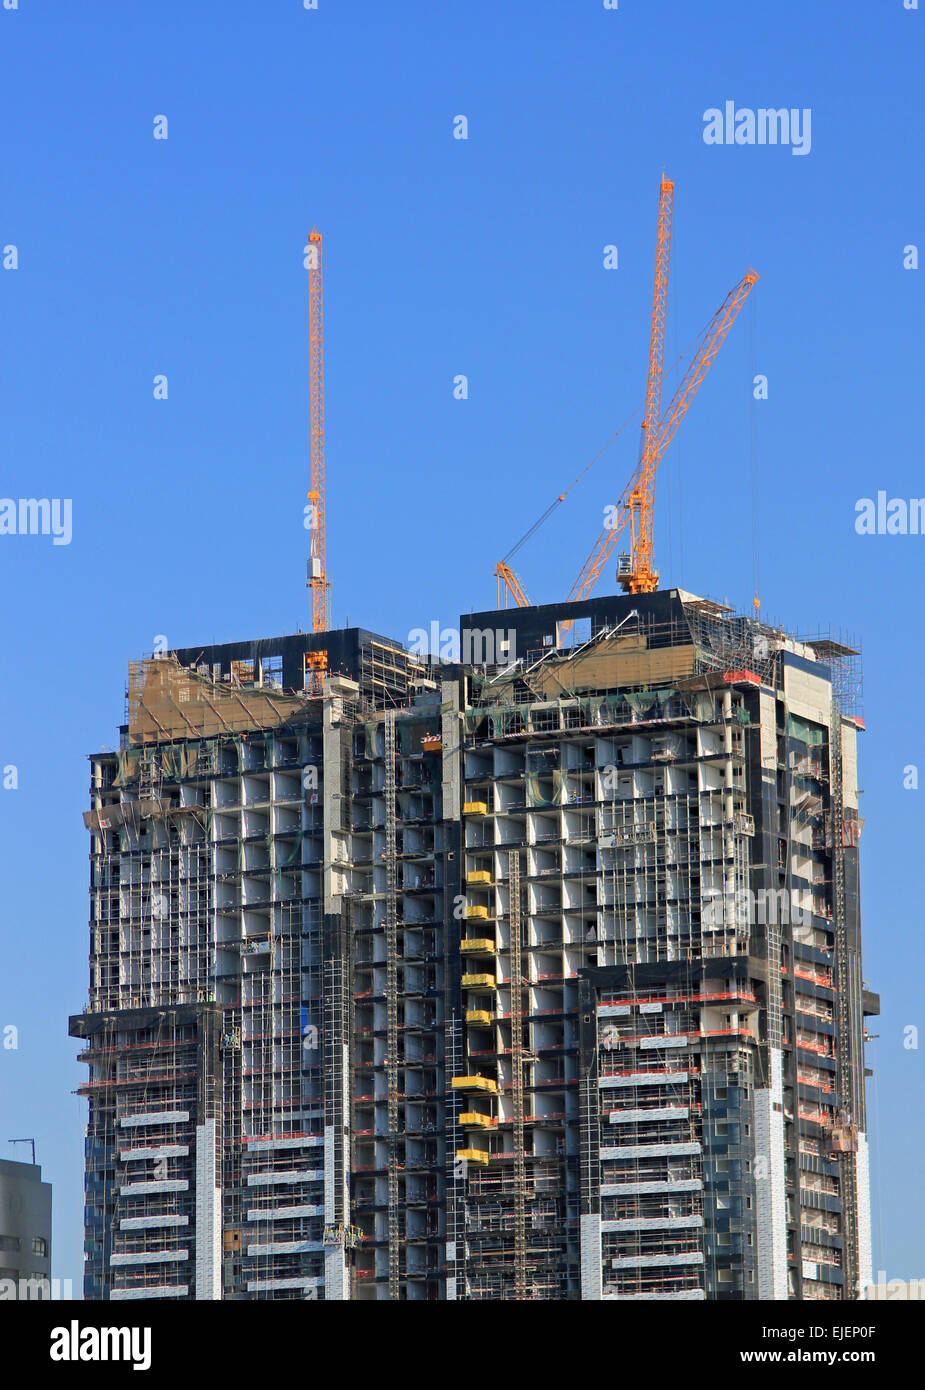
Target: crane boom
column 317, row 575
column 702, row 360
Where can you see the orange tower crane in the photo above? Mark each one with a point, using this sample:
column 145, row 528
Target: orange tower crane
column 317, row 573
column 637, row 504
column 635, row 572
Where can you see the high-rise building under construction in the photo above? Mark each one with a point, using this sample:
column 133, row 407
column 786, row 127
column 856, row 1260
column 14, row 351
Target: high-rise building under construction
column 530, row 974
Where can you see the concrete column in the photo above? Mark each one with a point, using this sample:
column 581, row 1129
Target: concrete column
column 770, row 1190
column 208, row 1216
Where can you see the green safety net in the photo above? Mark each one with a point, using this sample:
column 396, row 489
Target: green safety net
column 285, row 860
column 641, row 701
column 294, row 855
column 534, row 791
column 506, row 719
column 369, row 731
column 472, row 719
column 409, row 736
column 804, row 731
column 534, row 794
column 591, row 709
column 173, row 762
column 178, row 761
column 613, row 709
column 129, row 760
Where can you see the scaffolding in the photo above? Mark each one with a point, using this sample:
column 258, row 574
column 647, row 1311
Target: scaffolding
column 517, row 1082
column 597, row 813
column 391, row 988
column 152, row 1086
column 845, row 987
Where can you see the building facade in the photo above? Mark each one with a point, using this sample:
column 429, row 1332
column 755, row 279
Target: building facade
column 25, row 1232
column 531, row 975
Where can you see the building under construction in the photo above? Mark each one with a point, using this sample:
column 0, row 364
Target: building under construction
column 535, row 977
column 531, row 975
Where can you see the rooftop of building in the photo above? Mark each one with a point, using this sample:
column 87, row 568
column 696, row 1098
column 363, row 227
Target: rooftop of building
column 518, row 654
column 23, row 1172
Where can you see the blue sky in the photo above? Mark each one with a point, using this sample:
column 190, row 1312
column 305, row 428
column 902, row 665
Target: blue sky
column 481, row 257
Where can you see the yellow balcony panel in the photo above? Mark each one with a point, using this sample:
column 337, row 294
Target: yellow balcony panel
column 474, row 910
column 475, row 1120
column 478, row 876
column 477, row 945
column 475, row 808
column 478, row 1016
column 475, row 1083
column 473, row 1155
column 479, row 982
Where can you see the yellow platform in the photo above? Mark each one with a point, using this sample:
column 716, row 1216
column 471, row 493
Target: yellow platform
column 475, row 1083
column 472, row 1117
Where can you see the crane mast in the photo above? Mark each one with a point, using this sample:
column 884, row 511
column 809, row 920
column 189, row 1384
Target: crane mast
column 317, row 565
column 512, row 586
column 641, row 500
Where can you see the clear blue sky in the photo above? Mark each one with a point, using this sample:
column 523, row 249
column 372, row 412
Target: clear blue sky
column 484, row 257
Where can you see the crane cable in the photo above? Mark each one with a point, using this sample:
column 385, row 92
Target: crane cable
column 562, row 496
column 629, row 419
column 753, row 450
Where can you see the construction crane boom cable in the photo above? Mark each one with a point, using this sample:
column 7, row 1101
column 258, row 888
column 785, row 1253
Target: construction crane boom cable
column 540, row 521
